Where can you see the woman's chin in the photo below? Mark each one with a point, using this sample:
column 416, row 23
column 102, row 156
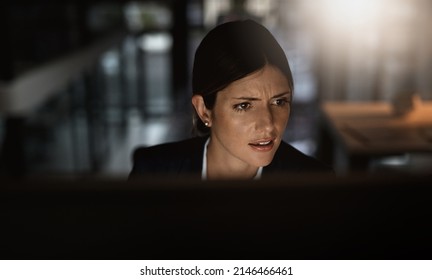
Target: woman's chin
column 262, row 162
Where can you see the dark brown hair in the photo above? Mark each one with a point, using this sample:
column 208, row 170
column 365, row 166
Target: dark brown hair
column 230, row 52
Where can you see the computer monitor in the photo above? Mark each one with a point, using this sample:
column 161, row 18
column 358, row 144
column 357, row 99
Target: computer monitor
column 311, row 217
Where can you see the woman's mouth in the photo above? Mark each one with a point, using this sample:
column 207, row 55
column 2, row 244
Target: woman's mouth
column 262, row 145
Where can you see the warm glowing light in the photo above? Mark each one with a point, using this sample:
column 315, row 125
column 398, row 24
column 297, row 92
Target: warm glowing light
column 351, row 13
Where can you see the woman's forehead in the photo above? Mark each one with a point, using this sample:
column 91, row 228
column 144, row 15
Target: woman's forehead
column 267, row 79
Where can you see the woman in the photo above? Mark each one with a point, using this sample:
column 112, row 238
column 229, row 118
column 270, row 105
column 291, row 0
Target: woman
column 242, row 93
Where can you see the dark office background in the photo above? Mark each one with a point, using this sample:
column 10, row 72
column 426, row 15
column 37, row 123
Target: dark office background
column 83, row 83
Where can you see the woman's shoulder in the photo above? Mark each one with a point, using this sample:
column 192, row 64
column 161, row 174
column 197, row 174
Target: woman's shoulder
column 170, row 148
column 289, row 159
column 172, row 157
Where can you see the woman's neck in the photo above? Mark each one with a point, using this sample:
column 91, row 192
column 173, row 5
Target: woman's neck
column 219, row 167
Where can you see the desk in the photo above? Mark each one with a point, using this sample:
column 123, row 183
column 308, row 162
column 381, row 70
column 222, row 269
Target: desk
column 361, row 131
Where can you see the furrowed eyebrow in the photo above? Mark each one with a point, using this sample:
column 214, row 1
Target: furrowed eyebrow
column 282, row 94
column 247, row 98
column 255, row 99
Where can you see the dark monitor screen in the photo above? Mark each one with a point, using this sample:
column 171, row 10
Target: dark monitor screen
column 356, row 217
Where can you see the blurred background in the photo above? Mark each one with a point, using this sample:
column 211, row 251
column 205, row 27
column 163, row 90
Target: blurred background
column 83, row 83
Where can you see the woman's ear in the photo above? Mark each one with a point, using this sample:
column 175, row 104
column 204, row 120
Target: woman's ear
column 201, row 109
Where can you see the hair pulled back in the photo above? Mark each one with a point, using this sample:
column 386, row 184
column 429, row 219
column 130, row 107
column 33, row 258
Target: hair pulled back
column 229, row 52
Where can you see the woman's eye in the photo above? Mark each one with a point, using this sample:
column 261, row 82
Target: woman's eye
column 281, row 102
column 242, row 106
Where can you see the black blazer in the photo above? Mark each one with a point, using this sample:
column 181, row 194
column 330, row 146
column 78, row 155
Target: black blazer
column 185, row 158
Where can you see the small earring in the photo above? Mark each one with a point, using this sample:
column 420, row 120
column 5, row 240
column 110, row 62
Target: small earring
column 207, row 124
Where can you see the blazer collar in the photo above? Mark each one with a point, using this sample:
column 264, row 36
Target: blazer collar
column 192, row 164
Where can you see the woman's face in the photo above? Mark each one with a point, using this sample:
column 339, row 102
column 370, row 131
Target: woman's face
column 249, row 119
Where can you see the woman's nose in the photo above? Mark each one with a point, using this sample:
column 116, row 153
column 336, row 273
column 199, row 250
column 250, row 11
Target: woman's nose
column 265, row 120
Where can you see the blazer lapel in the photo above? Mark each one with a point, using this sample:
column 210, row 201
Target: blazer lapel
column 192, row 163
